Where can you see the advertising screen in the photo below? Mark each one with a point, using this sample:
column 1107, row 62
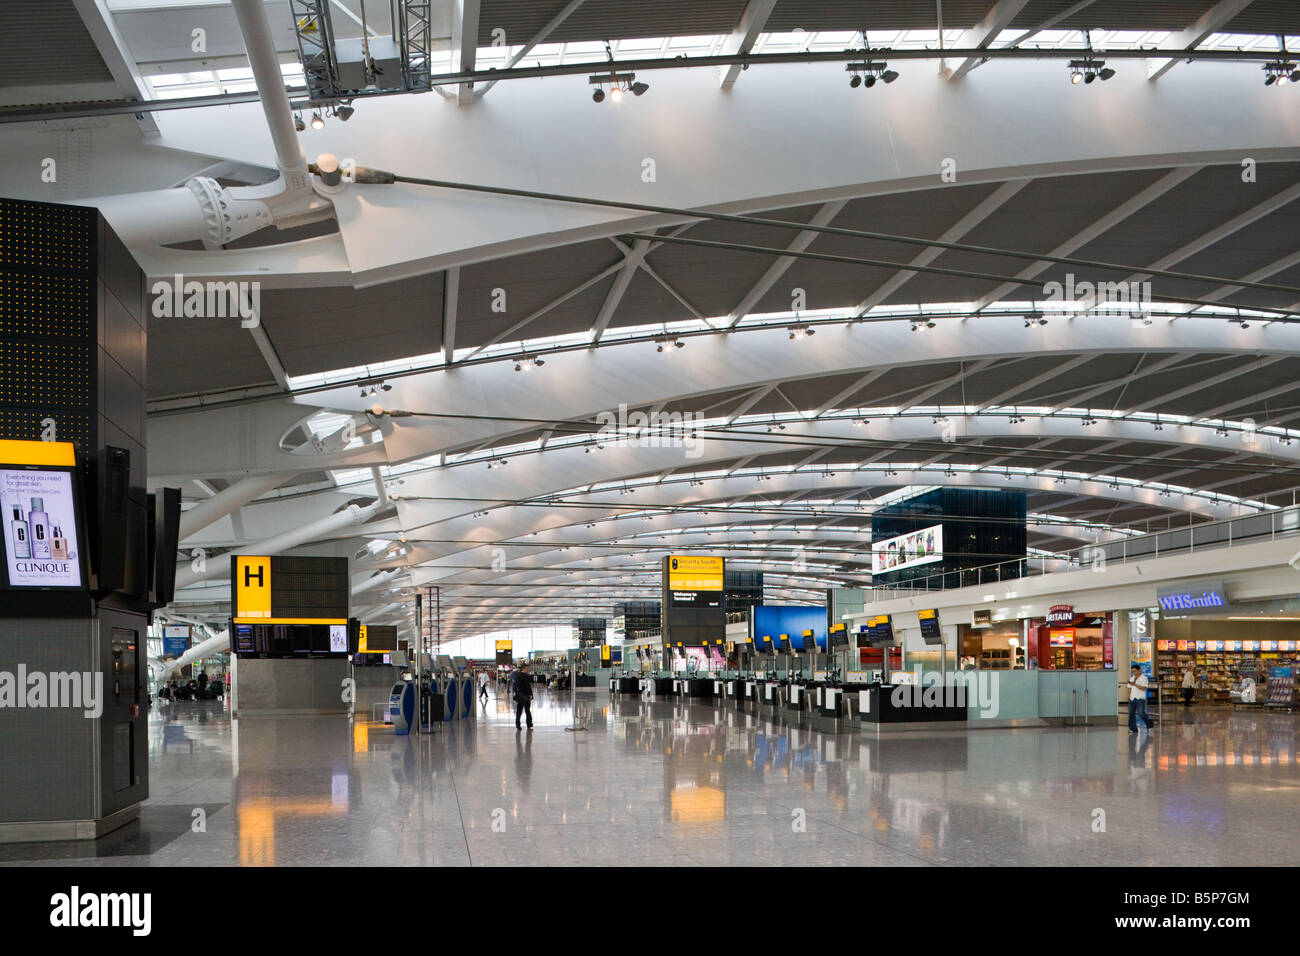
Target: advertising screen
column 907, row 550
column 42, row 536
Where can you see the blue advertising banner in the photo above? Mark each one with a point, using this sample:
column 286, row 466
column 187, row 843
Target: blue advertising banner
column 174, row 647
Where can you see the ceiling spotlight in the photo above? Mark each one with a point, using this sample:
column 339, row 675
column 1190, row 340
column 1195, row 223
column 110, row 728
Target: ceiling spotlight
column 889, row 76
column 1034, row 318
column 919, row 324
column 298, row 124
column 799, row 331
column 317, row 122
column 856, row 81
column 526, row 363
column 870, row 81
column 598, row 96
column 1270, row 79
column 344, row 111
column 616, row 95
column 1076, row 77
column 1089, row 76
column 1106, row 73
column 638, row 88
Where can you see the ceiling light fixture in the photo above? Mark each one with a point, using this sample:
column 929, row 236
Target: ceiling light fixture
column 317, row 122
column 918, row 324
column 344, row 110
column 867, row 72
column 298, row 124
column 526, row 363
column 799, row 331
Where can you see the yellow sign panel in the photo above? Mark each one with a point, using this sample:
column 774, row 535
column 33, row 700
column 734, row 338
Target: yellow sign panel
column 926, row 614
column 687, row 573
column 361, row 644
column 604, row 652
column 38, row 453
column 252, row 598
column 505, row 645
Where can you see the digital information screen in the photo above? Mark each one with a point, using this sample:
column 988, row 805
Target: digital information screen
column 291, row 640
column 930, row 631
column 694, row 581
column 42, row 536
column 839, row 636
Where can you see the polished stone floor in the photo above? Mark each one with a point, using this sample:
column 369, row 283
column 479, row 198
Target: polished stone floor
column 664, row 783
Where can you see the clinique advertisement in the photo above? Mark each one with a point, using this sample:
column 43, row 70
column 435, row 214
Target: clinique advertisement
column 40, row 529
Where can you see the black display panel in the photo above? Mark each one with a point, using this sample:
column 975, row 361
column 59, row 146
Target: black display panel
column 295, row 640
column 839, row 638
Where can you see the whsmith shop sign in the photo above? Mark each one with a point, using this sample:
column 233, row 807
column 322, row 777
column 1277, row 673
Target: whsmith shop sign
column 1198, row 597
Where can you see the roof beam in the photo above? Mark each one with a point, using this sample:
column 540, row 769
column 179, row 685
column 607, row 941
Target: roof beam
column 116, row 56
column 959, row 229
column 1080, row 239
column 631, row 263
column 744, row 37
column 1052, row 21
column 982, row 35
column 800, row 243
column 1209, row 22
column 1106, row 386
column 450, row 306
column 1055, row 372
column 465, row 38
column 540, row 37
column 946, row 382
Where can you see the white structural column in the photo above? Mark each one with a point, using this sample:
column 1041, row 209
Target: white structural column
column 744, row 37
column 465, row 40
column 1209, row 22
column 324, row 528
column 982, row 36
column 226, row 501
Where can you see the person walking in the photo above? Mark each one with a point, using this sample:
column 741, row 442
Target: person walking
column 482, row 686
column 523, row 696
column 1137, row 699
column 1189, row 685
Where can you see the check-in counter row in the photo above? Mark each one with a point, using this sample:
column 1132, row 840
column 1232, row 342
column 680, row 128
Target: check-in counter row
column 990, row 697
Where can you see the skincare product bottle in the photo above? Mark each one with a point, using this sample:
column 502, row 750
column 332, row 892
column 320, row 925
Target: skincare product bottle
column 38, row 522
column 22, row 546
column 59, row 545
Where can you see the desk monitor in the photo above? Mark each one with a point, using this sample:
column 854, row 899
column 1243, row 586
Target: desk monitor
column 426, row 663
column 764, row 645
column 400, row 660
column 460, row 664
column 444, row 664
column 929, row 621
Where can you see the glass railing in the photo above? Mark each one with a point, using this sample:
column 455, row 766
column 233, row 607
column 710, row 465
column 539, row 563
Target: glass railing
column 1226, row 533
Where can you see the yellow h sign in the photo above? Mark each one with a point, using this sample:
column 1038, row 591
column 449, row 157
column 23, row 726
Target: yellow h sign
column 252, row 587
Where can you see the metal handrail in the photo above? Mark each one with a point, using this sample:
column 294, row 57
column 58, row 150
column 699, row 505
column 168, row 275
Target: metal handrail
column 1226, row 532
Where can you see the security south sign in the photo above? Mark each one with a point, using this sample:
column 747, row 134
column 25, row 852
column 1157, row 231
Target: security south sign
column 686, row 573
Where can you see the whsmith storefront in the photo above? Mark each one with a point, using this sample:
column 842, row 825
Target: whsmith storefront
column 1242, row 654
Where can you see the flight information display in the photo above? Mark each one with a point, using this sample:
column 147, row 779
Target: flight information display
column 324, row 639
column 929, row 620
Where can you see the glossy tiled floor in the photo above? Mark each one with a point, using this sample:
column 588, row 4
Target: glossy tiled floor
column 662, row 783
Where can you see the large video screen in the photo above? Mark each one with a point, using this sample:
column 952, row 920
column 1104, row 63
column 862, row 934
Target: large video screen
column 907, row 550
column 42, row 536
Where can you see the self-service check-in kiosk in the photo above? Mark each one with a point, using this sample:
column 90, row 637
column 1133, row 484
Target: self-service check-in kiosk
column 465, row 691
column 401, row 706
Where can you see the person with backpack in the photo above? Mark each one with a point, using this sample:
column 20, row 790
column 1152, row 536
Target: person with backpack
column 523, row 694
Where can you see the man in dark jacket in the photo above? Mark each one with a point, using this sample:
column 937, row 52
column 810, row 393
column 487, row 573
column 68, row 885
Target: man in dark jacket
column 523, row 695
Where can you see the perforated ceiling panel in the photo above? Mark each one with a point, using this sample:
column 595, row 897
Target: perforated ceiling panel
column 45, row 42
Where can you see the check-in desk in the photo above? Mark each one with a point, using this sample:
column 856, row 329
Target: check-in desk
column 877, row 705
column 628, row 685
column 798, row 697
column 701, row 688
column 664, row 686
column 771, row 694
